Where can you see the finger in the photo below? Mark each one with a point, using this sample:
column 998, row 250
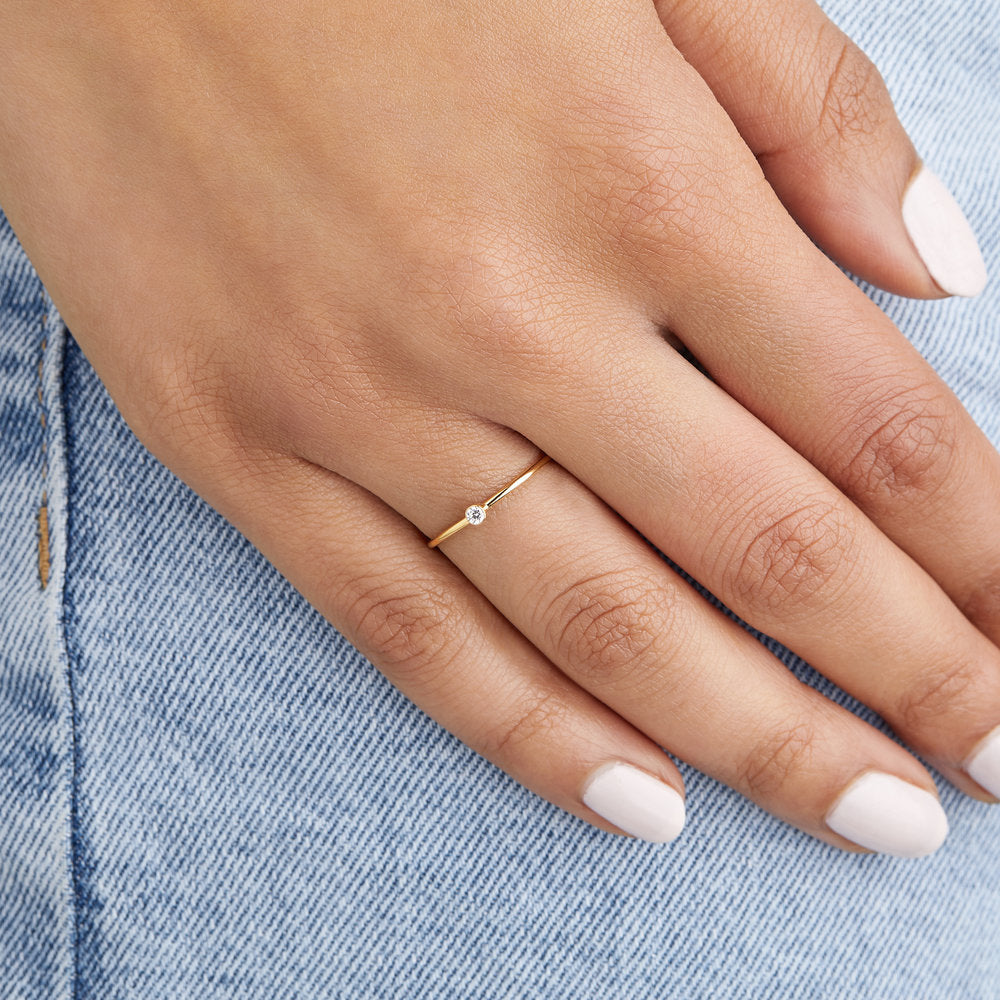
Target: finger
column 785, row 334
column 770, row 536
column 593, row 597
column 420, row 622
column 817, row 114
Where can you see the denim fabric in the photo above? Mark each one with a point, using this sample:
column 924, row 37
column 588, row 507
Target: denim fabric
column 36, row 894
column 206, row 792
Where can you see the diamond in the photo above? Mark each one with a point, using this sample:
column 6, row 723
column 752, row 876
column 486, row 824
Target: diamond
column 475, row 514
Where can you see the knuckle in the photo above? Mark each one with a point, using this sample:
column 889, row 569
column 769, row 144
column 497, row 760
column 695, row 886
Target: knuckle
column 542, row 714
column 185, row 397
column 608, row 625
column 981, row 603
column 941, row 701
column 792, row 559
column 854, row 102
column 649, row 190
column 649, row 202
column 907, row 442
column 775, row 758
column 491, row 301
column 415, row 633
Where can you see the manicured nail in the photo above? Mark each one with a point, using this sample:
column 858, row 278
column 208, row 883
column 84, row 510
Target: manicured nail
column 886, row 814
column 636, row 802
column 942, row 236
column 984, row 765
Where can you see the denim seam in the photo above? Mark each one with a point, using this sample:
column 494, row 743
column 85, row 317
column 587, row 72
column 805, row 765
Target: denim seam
column 54, row 480
column 44, row 561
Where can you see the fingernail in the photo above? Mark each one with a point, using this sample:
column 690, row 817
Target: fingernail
column 984, row 765
column 886, row 814
column 942, row 236
column 636, row 802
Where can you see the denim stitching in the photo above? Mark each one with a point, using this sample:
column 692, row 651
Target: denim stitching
column 44, row 564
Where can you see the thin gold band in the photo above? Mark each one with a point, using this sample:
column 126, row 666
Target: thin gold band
column 476, row 514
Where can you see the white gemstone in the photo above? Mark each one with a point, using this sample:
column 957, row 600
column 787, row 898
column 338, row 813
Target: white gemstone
column 475, row 514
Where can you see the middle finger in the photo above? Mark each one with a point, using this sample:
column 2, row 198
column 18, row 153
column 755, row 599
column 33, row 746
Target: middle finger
column 753, row 521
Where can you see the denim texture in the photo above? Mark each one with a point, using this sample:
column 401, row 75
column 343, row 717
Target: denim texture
column 206, row 792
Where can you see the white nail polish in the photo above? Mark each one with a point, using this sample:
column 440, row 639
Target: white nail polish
column 984, row 765
column 636, row 802
column 886, row 814
column 942, row 236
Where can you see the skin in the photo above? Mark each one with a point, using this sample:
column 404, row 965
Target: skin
column 347, row 268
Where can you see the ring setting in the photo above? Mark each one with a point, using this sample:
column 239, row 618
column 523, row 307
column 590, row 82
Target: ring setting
column 475, row 514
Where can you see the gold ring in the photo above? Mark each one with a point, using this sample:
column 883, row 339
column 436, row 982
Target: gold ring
column 476, row 514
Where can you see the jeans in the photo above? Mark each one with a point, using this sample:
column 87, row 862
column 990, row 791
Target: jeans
column 206, row 792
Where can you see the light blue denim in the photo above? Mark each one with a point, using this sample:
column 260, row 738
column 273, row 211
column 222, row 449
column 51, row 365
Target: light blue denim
column 205, row 792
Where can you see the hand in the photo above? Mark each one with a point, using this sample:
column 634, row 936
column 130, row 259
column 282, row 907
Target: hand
column 347, row 268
